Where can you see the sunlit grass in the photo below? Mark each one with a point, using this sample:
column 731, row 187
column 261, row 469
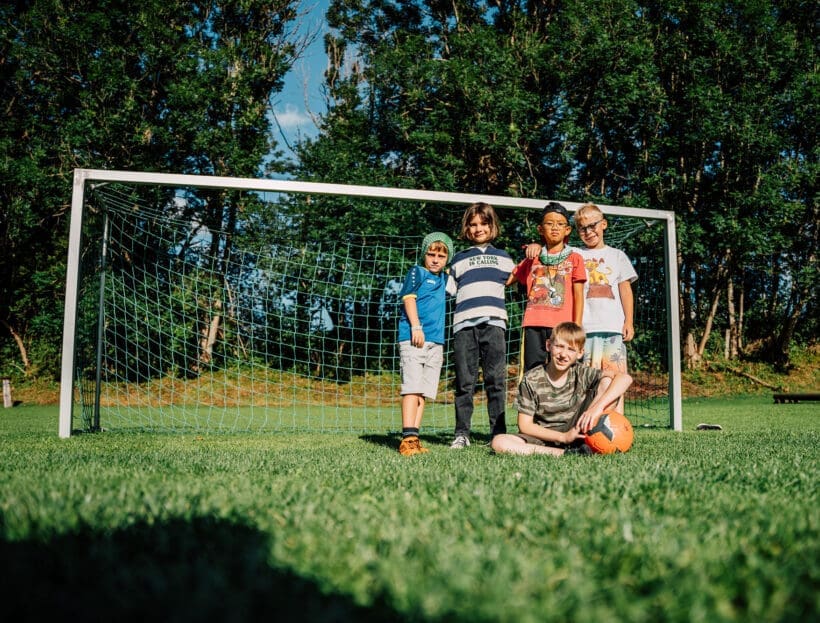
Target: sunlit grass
column 688, row 526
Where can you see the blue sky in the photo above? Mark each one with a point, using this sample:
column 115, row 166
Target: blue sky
column 302, row 91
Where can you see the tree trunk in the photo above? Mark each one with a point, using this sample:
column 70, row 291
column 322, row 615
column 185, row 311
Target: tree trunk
column 691, row 357
column 741, row 313
column 707, row 329
column 721, row 274
column 690, row 352
column 732, row 330
column 21, row 346
column 726, row 339
column 779, row 347
column 209, row 336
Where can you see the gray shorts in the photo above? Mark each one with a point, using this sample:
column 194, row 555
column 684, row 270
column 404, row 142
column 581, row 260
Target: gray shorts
column 420, row 368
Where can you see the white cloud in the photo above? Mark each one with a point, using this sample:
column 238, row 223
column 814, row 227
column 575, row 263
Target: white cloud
column 292, row 118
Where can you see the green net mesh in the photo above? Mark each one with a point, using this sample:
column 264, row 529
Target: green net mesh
column 247, row 320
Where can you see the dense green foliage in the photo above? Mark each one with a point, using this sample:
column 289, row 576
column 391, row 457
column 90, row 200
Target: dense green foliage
column 688, row 526
column 179, row 87
column 706, row 108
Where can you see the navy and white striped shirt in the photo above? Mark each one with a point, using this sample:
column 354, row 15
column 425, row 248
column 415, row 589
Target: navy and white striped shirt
column 478, row 277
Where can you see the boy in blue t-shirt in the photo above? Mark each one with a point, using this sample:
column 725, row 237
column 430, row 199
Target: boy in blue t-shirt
column 421, row 336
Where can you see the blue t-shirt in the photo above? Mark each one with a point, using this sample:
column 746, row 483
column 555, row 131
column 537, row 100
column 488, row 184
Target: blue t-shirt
column 430, row 293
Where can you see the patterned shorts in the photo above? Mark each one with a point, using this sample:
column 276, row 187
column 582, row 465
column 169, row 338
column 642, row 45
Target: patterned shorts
column 605, row 351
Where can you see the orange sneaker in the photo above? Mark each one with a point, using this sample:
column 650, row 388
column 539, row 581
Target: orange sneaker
column 410, row 446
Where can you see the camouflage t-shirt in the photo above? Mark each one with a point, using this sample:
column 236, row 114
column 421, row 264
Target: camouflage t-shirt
column 557, row 408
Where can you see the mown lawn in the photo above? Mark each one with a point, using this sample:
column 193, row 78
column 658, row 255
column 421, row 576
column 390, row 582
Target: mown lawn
column 688, row 526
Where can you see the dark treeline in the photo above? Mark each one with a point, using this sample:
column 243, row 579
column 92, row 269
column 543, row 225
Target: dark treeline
column 704, row 108
column 178, row 87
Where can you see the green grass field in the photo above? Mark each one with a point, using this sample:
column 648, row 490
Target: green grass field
column 688, row 526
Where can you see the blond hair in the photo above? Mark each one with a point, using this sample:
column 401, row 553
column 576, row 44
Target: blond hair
column 486, row 213
column 571, row 333
column 588, row 208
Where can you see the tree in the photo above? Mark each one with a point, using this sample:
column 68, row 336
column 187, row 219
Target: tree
column 180, row 87
column 731, row 74
column 703, row 108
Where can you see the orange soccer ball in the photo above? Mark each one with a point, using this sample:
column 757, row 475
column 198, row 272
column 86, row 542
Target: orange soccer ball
column 613, row 433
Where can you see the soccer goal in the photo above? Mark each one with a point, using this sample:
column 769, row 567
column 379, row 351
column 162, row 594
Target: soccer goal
column 212, row 304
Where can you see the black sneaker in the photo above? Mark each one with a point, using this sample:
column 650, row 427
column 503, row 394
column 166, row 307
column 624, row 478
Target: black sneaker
column 581, row 449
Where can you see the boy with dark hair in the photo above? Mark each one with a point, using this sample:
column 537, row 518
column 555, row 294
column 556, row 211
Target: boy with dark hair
column 555, row 284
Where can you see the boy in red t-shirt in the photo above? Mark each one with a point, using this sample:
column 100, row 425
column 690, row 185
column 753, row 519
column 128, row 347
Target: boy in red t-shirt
column 555, row 284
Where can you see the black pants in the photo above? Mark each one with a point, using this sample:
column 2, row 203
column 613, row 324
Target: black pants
column 535, row 346
column 484, row 344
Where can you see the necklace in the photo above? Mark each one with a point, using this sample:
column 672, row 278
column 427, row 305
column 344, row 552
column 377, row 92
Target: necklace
column 547, row 259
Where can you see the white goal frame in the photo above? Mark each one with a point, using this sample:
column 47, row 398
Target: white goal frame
column 85, row 176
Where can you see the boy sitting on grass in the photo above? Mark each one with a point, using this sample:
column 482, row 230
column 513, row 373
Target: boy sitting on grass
column 562, row 399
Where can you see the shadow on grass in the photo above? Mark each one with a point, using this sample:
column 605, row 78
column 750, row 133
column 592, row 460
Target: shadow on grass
column 433, row 439
column 199, row 570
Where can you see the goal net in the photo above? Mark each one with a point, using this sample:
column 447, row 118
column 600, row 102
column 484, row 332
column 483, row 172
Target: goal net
column 204, row 304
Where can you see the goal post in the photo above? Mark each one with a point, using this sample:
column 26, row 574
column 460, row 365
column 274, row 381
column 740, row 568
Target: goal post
column 172, row 323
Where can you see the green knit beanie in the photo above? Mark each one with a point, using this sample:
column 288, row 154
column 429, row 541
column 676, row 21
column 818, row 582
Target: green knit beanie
column 437, row 236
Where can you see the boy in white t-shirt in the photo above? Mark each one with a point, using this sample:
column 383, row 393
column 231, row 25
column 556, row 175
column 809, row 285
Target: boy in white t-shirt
column 608, row 302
